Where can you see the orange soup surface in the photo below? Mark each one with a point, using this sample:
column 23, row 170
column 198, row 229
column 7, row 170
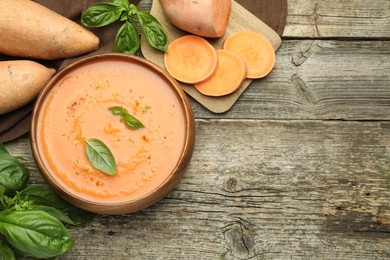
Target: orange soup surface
column 77, row 108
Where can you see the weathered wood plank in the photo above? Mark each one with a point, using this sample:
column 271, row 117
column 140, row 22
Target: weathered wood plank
column 332, row 19
column 339, row 18
column 319, row 79
column 260, row 190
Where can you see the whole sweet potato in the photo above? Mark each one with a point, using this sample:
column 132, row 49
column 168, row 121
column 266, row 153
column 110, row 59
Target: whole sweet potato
column 30, row 30
column 21, row 82
column 207, row 18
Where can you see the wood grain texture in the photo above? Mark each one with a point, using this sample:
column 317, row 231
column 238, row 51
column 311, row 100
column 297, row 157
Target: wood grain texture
column 339, row 18
column 262, row 190
column 319, row 79
column 298, row 168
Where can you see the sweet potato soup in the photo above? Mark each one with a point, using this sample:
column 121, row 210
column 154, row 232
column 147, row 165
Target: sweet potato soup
column 78, row 107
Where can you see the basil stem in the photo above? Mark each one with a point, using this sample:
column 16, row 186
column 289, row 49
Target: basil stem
column 129, row 120
column 153, row 31
column 127, row 40
column 101, row 14
column 100, row 156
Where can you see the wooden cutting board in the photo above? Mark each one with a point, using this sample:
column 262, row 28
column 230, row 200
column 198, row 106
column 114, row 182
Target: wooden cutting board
column 240, row 19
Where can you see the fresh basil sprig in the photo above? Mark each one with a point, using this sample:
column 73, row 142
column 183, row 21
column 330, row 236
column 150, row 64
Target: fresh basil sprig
column 127, row 39
column 100, row 156
column 129, row 120
column 29, row 230
column 31, row 220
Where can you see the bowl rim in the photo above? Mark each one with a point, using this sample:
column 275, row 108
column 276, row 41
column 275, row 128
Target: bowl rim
column 137, row 203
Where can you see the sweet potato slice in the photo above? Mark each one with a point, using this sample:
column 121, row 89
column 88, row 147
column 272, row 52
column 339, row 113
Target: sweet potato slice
column 230, row 73
column 30, row 30
column 191, row 59
column 207, row 18
column 21, row 82
column 256, row 51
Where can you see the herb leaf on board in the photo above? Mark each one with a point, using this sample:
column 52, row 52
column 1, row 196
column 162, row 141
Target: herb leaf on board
column 153, row 31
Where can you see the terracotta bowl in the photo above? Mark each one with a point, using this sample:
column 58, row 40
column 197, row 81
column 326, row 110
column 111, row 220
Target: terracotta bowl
column 78, row 105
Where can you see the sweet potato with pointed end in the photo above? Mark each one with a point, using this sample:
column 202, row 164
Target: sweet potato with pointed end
column 256, row 51
column 21, row 82
column 230, row 73
column 191, row 59
column 30, row 30
column 207, row 18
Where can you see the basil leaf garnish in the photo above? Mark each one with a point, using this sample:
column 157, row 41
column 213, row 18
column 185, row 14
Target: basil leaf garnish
column 153, row 31
column 127, row 39
column 100, row 156
column 125, row 116
column 101, row 14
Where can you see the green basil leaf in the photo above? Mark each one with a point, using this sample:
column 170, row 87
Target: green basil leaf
column 117, row 110
column 79, row 217
column 41, row 196
column 122, row 3
column 153, row 31
column 125, row 116
column 58, row 214
column 13, row 175
column 6, row 253
column 100, row 156
column 3, row 150
column 2, row 191
column 101, row 14
column 132, row 122
column 35, row 233
column 127, row 39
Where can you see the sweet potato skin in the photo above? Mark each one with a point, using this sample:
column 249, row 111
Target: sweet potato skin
column 206, row 18
column 21, row 82
column 30, row 30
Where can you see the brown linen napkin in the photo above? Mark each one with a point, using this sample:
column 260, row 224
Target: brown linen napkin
column 271, row 12
column 17, row 123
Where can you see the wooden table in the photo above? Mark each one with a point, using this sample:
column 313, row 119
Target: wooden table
column 299, row 168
